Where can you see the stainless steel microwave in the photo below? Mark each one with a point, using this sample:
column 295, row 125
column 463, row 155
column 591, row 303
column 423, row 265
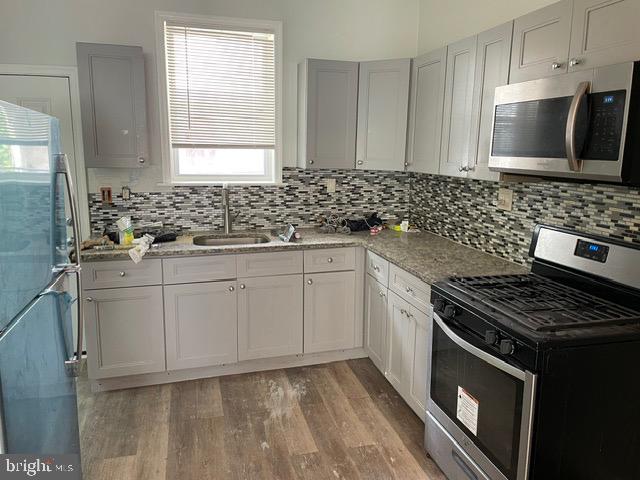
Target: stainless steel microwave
column 582, row 125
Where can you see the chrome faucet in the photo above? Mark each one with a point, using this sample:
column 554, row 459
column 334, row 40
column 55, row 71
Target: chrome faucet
column 226, row 219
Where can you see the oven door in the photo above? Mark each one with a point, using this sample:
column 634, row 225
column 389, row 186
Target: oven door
column 484, row 403
column 572, row 126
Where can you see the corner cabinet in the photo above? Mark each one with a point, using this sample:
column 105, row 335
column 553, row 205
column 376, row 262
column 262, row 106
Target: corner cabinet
column 458, row 102
column 327, row 112
column 383, row 100
column 541, row 42
column 113, row 105
column 493, row 51
column 200, row 324
column 425, row 111
column 125, row 332
column 329, row 311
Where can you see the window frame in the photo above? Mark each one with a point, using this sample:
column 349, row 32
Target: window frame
column 169, row 173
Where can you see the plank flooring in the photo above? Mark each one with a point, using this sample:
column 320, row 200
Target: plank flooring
column 340, row 420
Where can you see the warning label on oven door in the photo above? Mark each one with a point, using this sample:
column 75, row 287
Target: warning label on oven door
column 467, row 411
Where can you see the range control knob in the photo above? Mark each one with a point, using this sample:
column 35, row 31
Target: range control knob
column 449, row 311
column 438, row 304
column 507, row 347
column 491, row 337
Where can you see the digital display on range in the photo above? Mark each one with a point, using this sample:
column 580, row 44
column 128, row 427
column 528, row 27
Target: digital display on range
column 608, row 99
column 592, row 251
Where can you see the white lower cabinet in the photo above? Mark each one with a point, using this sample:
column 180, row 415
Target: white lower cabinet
column 201, row 324
column 397, row 330
column 269, row 316
column 329, row 311
column 375, row 308
column 417, row 359
column 125, row 334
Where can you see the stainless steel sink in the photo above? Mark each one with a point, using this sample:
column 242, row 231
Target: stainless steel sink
column 221, row 240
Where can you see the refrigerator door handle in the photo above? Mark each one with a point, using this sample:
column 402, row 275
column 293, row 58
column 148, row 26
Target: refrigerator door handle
column 62, row 168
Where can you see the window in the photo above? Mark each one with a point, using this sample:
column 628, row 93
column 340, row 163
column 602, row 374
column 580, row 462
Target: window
column 221, row 99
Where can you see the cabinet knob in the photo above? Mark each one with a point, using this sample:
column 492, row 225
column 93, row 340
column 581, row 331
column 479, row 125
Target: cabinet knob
column 574, row 61
column 360, row 162
column 242, row 286
column 409, row 290
column 556, row 65
column 89, row 299
column 376, row 268
column 381, row 293
column 141, row 160
column 330, row 260
column 232, row 288
column 311, row 162
column 403, row 311
column 309, row 282
column 122, row 274
column 406, row 164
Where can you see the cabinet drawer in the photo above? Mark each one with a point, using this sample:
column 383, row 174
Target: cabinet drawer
column 410, row 287
column 198, row 269
column 378, row 268
column 122, row 273
column 272, row 263
column 329, row 260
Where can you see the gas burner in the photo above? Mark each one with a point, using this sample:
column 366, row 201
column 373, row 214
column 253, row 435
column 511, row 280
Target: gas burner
column 541, row 304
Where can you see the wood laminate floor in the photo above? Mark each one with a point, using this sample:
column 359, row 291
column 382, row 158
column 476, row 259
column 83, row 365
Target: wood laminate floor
column 341, row 420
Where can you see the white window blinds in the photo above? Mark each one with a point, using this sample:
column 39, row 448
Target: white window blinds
column 221, row 87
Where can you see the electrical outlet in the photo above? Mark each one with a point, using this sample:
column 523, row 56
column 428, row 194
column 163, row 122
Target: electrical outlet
column 106, row 195
column 505, row 199
column 331, row 185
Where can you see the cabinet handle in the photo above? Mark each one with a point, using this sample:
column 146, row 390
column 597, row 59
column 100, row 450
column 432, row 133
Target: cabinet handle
column 463, row 168
column 232, row 288
column 122, row 274
column 309, row 282
column 574, row 61
column 141, row 160
column 360, row 162
column 89, row 299
column 242, row 286
column 330, row 260
column 556, row 65
column 403, row 311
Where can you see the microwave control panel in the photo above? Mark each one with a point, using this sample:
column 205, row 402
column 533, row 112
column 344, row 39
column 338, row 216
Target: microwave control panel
column 605, row 126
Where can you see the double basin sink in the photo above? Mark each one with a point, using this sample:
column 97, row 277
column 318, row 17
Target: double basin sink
column 229, row 239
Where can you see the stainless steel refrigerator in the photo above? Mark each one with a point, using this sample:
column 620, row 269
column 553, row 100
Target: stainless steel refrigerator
column 39, row 288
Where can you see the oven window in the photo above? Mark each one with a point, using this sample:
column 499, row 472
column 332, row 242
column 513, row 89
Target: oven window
column 498, row 397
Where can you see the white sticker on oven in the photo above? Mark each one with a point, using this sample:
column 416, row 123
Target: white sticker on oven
column 467, row 411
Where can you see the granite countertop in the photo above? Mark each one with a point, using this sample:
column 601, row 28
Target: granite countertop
column 427, row 256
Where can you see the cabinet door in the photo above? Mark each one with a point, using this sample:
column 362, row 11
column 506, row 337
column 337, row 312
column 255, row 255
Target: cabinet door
column 492, row 70
column 456, row 126
column 541, row 43
column 375, row 314
column 425, row 111
column 113, row 103
column 398, row 316
column 416, row 353
column 269, row 316
column 201, row 324
column 125, row 334
column 604, row 32
column 383, row 101
column 329, row 311
column 328, row 106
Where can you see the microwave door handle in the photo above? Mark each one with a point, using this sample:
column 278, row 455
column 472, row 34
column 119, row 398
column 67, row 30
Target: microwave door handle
column 575, row 164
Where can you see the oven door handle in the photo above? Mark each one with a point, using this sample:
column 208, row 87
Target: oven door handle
column 477, row 352
column 575, row 164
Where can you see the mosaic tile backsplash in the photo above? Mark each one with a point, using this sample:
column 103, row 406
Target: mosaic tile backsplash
column 466, row 211
column 302, row 199
column 460, row 209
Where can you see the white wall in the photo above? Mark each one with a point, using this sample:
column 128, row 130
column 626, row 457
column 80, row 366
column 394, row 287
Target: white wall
column 45, row 32
column 443, row 22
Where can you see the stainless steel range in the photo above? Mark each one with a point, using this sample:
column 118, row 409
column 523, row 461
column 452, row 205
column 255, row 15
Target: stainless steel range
column 535, row 376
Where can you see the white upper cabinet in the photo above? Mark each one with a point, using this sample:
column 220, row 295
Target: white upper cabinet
column 425, row 111
column 383, row 100
column 492, row 70
column 541, row 43
column 604, row 32
column 327, row 111
column 113, row 103
column 458, row 102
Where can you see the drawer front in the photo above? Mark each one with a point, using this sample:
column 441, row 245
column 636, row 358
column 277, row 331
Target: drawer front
column 378, row 268
column 410, row 287
column 329, row 260
column 121, row 273
column 272, row 263
column 199, row 269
